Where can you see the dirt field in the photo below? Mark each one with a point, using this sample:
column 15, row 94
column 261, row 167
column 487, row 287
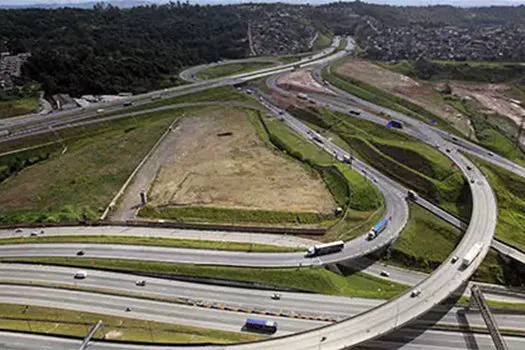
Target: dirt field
column 303, row 81
column 419, row 92
column 234, row 170
column 493, row 97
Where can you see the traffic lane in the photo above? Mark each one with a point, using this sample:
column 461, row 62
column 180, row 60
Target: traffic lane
column 428, row 339
column 297, row 303
column 134, row 231
column 144, row 309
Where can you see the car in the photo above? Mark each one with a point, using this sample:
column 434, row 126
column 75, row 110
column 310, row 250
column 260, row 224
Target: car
column 454, row 138
column 19, row 230
column 385, row 273
column 100, row 110
column 276, row 296
column 448, row 150
column 472, row 181
column 454, row 259
column 140, row 283
column 80, row 274
column 469, row 167
column 80, row 253
column 34, row 233
column 415, row 293
column 491, row 154
column 127, row 104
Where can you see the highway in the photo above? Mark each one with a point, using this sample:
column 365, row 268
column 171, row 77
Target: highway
column 376, row 322
column 190, row 74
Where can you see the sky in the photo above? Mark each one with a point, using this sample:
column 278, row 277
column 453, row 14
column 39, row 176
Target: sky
column 391, row 2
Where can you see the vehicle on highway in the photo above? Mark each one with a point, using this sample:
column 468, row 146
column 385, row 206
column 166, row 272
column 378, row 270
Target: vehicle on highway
column 276, row 296
column 412, row 195
column 394, row 124
column 4, row 132
column 472, row 254
column 249, row 91
column 469, row 167
column 327, row 248
column 415, row 293
column 80, row 274
column 318, row 139
column 140, row 283
column 128, row 309
column 377, row 229
column 80, row 253
column 454, row 259
column 100, row 110
column 302, row 96
column 262, row 326
column 448, row 150
column 354, row 112
column 19, row 230
column 385, row 273
column 472, row 181
column 491, row 154
column 34, row 233
column 127, row 104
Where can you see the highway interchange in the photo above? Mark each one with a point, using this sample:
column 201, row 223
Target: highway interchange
column 381, row 319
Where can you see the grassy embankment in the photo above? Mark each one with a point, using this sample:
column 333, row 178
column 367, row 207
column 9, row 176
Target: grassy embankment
column 403, row 158
column 16, row 107
column 496, row 133
column 323, row 41
column 231, row 69
column 363, row 201
column 81, row 173
column 52, row 321
column 151, row 241
column 309, row 279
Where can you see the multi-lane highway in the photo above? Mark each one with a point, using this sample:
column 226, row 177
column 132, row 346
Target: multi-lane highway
column 369, row 325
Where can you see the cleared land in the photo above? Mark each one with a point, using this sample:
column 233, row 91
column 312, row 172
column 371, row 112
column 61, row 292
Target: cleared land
column 230, row 69
column 302, row 80
column 419, row 92
column 315, row 280
column 219, row 161
column 53, row 321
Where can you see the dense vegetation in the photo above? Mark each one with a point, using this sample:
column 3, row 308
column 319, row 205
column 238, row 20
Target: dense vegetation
column 108, row 50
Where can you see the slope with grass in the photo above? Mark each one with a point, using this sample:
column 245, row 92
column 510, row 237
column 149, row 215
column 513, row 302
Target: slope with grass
column 80, row 180
column 45, row 320
column 363, row 202
column 317, row 280
column 20, row 106
column 406, row 159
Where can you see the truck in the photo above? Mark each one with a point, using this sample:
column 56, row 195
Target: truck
column 472, row 254
column 263, row 326
column 327, row 248
column 377, row 229
column 354, row 112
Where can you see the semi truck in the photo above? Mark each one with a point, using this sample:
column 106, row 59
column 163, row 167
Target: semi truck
column 472, row 254
column 327, row 248
column 377, row 229
column 263, row 326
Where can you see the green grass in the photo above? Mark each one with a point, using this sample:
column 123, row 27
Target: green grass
column 232, row 216
column 497, row 269
column 98, row 160
column 151, row 241
column 425, row 242
column 510, row 195
column 20, row 106
column 317, row 280
column 53, row 321
column 323, row 41
column 231, row 69
column 406, row 159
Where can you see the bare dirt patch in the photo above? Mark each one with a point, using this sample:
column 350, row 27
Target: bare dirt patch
column 113, row 335
column 234, row 171
column 492, row 97
column 420, row 92
column 301, row 80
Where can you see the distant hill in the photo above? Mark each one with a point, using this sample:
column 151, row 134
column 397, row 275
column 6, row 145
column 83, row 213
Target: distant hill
column 81, row 5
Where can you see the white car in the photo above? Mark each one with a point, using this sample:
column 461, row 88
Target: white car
column 415, row 293
column 140, row 283
column 385, row 273
column 80, row 274
column 100, row 110
column 276, row 296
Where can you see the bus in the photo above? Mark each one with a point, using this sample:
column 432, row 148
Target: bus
column 262, row 326
column 377, row 229
column 327, row 248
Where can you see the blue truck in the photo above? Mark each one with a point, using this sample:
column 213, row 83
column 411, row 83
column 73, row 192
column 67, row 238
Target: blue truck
column 260, row 325
column 394, row 124
column 377, row 229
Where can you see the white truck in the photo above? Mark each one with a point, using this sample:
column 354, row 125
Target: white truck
column 472, row 254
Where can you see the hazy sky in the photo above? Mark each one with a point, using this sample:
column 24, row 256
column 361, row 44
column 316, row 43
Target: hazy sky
column 391, row 2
